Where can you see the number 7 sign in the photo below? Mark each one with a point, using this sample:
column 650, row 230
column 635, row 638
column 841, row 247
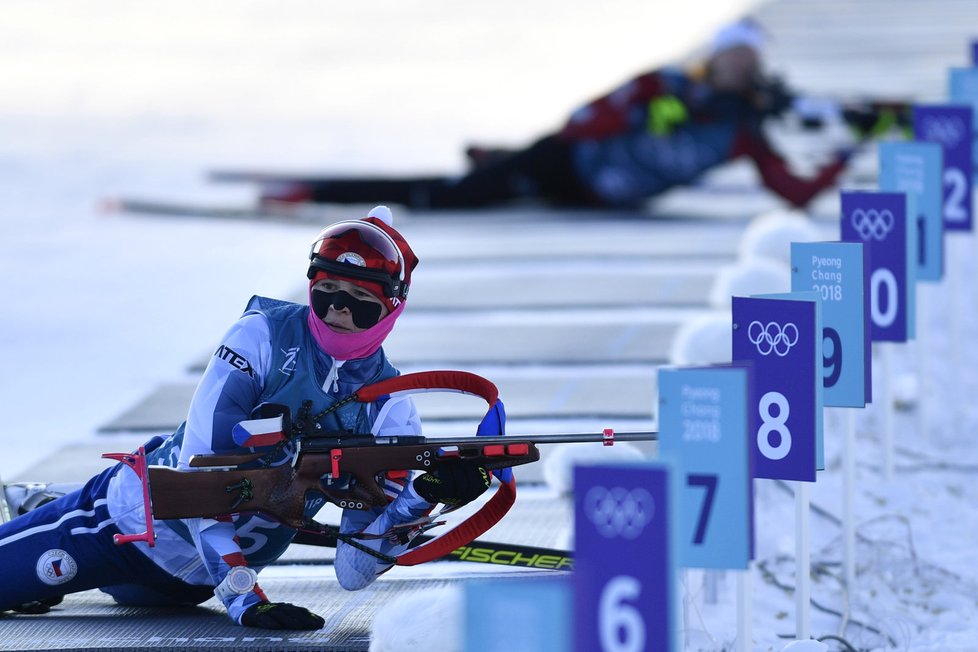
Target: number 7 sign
column 703, row 430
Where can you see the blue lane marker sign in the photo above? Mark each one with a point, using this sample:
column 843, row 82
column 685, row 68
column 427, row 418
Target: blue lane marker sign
column 951, row 127
column 782, row 337
column 703, row 427
column 836, row 272
column 879, row 220
column 963, row 89
column 916, row 168
column 625, row 559
column 529, row 614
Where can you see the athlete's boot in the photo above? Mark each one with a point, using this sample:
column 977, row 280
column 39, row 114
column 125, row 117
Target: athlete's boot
column 22, row 497
column 5, row 514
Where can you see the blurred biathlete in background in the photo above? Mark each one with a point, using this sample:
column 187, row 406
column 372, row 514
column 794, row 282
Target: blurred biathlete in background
column 280, row 359
column 660, row 130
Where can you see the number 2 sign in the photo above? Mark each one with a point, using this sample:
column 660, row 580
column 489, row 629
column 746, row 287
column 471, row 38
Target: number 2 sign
column 951, row 126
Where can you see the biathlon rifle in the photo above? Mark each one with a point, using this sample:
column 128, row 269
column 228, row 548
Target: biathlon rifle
column 348, row 469
column 867, row 117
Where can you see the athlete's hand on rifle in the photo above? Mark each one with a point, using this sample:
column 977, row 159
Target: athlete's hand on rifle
column 280, row 615
column 454, row 482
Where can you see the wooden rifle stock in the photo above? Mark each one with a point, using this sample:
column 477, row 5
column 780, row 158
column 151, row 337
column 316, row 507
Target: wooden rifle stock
column 345, row 470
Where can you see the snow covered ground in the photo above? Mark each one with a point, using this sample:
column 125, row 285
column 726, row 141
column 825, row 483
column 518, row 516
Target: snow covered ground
column 110, row 98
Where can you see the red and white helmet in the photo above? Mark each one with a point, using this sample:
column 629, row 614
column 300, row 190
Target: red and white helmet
column 368, row 252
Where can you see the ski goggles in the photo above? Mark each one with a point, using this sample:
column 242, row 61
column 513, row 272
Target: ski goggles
column 364, row 313
column 373, row 237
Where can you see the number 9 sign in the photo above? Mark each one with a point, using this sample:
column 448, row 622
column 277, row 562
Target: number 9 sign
column 836, row 271
column 624, row 566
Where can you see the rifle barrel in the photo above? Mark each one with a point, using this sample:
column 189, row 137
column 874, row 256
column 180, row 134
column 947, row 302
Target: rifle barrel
column 555, row 438
column 323, row 444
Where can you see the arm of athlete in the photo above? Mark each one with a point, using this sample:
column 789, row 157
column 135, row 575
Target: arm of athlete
column 226, row 395
column 775, row 174
column 409, row 501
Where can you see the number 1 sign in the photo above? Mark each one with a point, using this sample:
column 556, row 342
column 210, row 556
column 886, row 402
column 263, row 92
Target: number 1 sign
column 916, row 168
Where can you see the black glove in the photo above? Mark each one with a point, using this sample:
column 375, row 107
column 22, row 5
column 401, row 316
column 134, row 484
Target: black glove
column 280, row 615
column 772, row 96
column 454, row 482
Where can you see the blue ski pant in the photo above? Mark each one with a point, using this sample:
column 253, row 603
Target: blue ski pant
column 66, row 546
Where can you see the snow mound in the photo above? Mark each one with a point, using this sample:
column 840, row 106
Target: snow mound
column 770, row 235
column 558, row 466
column 702, row 340
column 754, row 275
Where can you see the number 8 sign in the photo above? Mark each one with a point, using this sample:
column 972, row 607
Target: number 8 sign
column 782, row 337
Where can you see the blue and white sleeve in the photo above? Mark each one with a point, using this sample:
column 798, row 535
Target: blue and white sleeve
column 229, row 388
column 226, row 395
column 354, row 568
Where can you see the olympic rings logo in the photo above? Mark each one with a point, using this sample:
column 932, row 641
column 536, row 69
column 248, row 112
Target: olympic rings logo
column 872, row 224
column 619, row 512
column 773, row 337
column 947, row 130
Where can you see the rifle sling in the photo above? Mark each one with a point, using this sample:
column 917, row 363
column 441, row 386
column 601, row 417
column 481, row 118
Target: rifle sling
column 466, row 531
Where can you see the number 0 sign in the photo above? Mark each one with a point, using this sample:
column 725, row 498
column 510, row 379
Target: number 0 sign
column 879, row 220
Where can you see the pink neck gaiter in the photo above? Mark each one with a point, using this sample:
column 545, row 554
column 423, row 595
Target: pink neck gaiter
column 351, row 346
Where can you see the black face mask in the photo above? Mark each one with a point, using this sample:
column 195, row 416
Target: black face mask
column 365, row 313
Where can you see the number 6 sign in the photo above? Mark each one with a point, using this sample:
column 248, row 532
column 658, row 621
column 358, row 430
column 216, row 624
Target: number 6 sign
column 624, row 566
column 782, row 337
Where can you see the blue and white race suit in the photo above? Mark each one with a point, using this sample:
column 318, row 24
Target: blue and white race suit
column 268, row 356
